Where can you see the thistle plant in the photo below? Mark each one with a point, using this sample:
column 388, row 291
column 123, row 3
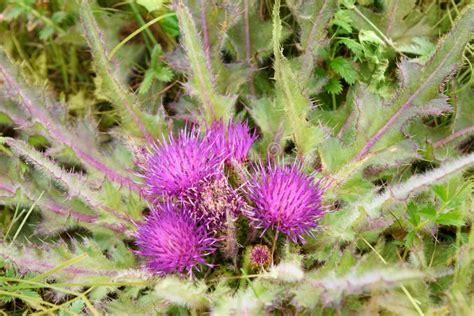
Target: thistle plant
column 236, row 157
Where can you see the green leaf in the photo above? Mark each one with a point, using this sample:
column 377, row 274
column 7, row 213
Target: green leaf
column 453, row 218
column 147, row 81
column 353, row 45
column 313, row 17
column 413, row 214
column 46, row 32
column 202, row 80
column 269, row 115
column 260, row 35
column 370, row 37
column 332, row 288
column 152, row 5
column 85, row 263
column 420, row 46
column 415, row 183
column 418, row 94
column 289, row 93
column 409, row 239
column 164, row 74
column 333, row 86
column 115, row 90
column 428, row 212
column 344, row 68
column 343, row 20
column 170, row 25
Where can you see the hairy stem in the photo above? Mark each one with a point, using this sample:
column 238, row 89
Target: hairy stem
column 315, row 37
column 401, row 191
column 205, row 34
column 248, row 47
column 453, row 136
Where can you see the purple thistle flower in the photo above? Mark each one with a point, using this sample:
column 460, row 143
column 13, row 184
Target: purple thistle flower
column 232, row 141
column 176, row 166
column 260, row 256
column 286, row 200
column 172, row 242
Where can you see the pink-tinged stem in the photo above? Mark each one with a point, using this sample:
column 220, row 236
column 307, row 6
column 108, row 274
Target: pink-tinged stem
column 7, row 187
column 453, row 136
column 308, row 56
column 57, row 209
column 28, row 263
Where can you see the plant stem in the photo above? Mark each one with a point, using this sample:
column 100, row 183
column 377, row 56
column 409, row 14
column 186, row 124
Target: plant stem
column 274, row 245
column 248, row 47
column 148, row 37
column 453, row 136
column 384, row 37
column 138, row 31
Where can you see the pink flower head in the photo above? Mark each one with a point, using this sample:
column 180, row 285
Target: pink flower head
column 286, row 200
column 233, row 141
column 174, row 167
column 172, row 242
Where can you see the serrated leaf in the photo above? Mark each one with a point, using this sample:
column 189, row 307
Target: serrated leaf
column 428, row 212
column 314, row 18
column 260, row 36
column 399, row 21
column 343, row 20
column 147, row 81
column 353, row 45
column 333, row 86
column 270, row 117
column 87, row 261
column 202, row 82
column 420, row 46
column 164, row 74
column 376, row 126
column 344, row 68
column 417, row 182
column 370, row 37
column 289, row 93
column 135, row 120
column 331, row 289
column 453, row 218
